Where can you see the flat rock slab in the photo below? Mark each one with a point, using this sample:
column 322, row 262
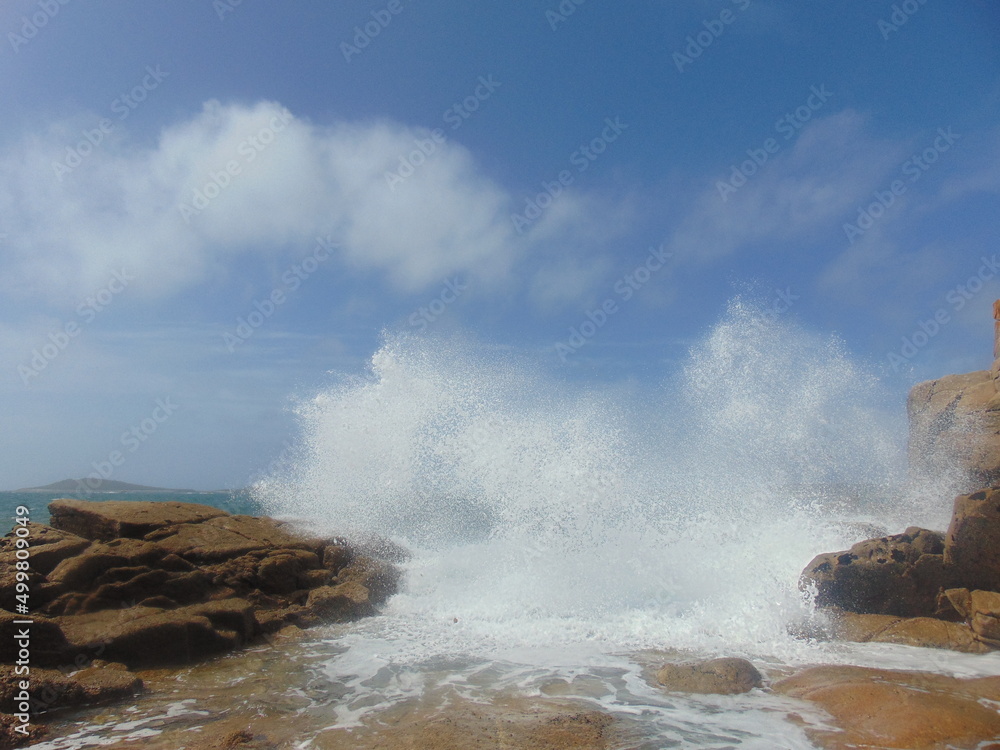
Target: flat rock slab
column 228, row 536
column 120, row 518
column 926, row 632
column 877, row 708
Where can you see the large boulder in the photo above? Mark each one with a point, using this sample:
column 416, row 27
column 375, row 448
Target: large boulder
column 898, row 575
column 972, row 545
column 955, row 423
column 725, row 676
column 920, row 574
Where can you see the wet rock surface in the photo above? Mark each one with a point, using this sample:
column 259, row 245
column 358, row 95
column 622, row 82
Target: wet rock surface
column 892, row 575
column 143, row 584
column 945, row 584
column 874, row 708
column 725, row 676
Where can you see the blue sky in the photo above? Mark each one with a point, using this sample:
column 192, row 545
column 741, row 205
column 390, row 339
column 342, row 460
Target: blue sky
column 322, row 172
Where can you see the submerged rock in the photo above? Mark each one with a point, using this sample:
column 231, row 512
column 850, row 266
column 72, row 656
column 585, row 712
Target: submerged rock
column 507, row 724
column 725, row 676
column 100, row 682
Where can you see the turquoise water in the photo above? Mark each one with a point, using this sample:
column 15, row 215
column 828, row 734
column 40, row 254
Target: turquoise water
column 236, row 501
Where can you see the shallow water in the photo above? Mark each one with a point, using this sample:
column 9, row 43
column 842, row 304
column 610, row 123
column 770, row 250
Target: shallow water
column 368, row 674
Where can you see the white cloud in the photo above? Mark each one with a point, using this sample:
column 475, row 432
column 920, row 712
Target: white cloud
column 120, row 207
column 809, row 185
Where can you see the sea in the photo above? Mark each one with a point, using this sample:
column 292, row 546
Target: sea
column 564, row 539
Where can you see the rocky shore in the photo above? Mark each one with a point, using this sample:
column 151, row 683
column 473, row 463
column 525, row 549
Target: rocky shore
column 116, row 586
column 921, row 587
column 124, row 593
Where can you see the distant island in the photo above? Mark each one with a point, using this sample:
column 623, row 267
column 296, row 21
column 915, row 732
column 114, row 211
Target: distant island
column 93, row 484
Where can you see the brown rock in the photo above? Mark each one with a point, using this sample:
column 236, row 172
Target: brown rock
column 726, row 676
column 894, row 575
column 972, row 544
column 926, row 632
column 141, row 583
column 981, row 609
column 310, row 579
column 228, row 536
column 48, row 643
column 380, row 578
column 10, row 738
column 463, row 725
column 79, row 573
column 160, row 584
column 188, row 587
column 955, row 422
column 144, row 636
column 275, row 619
column 112, row 519
column 283, row 572
column 960, row 601
column 336, row 556
column 235, row 615
column 985, row 615
column 345, row 601
column 9, row 590
column 47, row 546
column 888, row 709
column 52, row 689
